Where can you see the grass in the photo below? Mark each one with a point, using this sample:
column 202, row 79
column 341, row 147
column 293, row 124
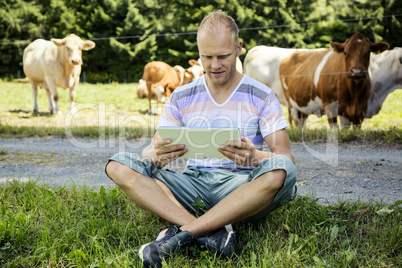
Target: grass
column 103, row 110
column 42, row 226
column 81, row 227
column 113, row 110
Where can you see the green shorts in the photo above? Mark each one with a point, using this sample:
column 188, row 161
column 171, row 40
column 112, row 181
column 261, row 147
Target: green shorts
column 211, row 186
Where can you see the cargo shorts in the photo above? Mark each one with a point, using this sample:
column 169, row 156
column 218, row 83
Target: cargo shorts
column 211, row 186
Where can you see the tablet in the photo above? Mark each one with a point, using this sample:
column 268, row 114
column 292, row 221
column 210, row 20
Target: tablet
column 201, row 143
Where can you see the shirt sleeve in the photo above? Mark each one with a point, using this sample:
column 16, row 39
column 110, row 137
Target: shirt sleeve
column 171, row 116
column 272, row 117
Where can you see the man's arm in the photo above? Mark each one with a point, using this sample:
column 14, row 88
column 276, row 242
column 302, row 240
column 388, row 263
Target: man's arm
column 160, row 154
column 279, row 143
column 244, row 152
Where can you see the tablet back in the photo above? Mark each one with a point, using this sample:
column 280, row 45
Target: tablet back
column 202, row 143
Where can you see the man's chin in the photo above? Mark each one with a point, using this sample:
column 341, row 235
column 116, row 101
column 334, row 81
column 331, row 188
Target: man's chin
column 219, row 81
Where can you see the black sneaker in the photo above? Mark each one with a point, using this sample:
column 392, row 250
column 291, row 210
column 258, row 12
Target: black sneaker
column 167, row 243
column 221, row 242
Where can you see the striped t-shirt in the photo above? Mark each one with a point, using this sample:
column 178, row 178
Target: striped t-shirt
column 252, row 107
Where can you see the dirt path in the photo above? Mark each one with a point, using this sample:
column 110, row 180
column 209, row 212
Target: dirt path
column 329, row 172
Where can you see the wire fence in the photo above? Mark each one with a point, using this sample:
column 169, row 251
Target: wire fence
column 241, row 29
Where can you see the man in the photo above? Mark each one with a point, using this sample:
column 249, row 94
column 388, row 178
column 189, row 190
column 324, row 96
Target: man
column 247, row 186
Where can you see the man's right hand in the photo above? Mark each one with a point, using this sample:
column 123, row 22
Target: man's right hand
column 160, row 153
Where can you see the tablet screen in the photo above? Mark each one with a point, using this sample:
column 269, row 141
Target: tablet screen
column 202, row 143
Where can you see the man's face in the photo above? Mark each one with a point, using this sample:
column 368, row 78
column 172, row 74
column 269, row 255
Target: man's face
column 218, row 56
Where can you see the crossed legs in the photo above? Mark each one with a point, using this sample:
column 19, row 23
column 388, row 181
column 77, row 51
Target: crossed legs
column 154, row 196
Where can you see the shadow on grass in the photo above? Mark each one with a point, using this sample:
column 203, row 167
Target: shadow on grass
column 30, row 114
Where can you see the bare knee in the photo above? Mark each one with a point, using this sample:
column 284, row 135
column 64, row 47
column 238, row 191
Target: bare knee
column 275, row 179
column 121, row 174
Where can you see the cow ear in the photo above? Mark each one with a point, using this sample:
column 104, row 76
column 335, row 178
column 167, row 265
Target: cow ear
column 379, row 47
column 58, row 42
column 192, row 62
column 338, row 47
column 87, row 45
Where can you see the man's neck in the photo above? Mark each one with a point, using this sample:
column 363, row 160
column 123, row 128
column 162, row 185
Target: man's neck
column 221, row 93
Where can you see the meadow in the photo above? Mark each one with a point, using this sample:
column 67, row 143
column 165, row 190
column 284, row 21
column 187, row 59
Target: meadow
column 43, row 226
column 109, row 110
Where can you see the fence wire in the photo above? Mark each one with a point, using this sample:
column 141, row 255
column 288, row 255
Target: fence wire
column 193, row 33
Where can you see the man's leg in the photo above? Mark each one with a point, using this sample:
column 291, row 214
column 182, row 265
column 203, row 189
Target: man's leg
column 246, row 201
column 148, row 193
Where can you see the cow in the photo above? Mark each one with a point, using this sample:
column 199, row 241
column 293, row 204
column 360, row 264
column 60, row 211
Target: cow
column 161, row 80
column 262, row 63
column 185, row 75
column 386, row 75
column 142, row 89
column 385, row 71
column 158, row 91
column 55, row 63
column 196, row 69
column 335, row 81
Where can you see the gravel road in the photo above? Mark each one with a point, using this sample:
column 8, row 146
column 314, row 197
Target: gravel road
column 327, row 171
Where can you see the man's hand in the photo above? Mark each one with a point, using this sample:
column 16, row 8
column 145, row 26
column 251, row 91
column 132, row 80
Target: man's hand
column 243, row 152
column 160, row 153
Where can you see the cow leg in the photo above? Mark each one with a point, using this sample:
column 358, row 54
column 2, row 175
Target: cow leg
column 290, row 117
column 160, row 97
column 345, row 122
column 296, row 116
column 331, row 110
column 35, row 95
column 49, row 98
column 56, row 104
column 303, row 118
column 149, row 86
column 54, row 96
column 73, row 110
column 150, row 107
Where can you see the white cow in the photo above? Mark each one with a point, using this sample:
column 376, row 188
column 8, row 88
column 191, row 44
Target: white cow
column 55, row 63
column 386, row 75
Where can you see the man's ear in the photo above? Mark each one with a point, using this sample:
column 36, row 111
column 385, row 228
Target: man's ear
column 239, row 48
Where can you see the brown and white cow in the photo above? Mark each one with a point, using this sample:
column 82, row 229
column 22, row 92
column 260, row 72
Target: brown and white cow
column 142, row 89
column 196, row 69
column 185, row 75
column 161, row 79
column 262, row 63
column 335, row 81
column 55, row 63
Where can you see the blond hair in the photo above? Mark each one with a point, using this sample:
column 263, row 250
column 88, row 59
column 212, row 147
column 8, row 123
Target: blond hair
column 219, row 20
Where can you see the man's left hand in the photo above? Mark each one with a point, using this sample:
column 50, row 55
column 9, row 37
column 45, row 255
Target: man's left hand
column 243, row 152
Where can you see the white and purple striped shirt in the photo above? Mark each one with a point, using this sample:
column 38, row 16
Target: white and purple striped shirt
column 252, row 107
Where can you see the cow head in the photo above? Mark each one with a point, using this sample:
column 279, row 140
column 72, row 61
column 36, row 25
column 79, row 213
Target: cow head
column 356, row 51
column 73, row 46
column 188, row 76
column 196, row 68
